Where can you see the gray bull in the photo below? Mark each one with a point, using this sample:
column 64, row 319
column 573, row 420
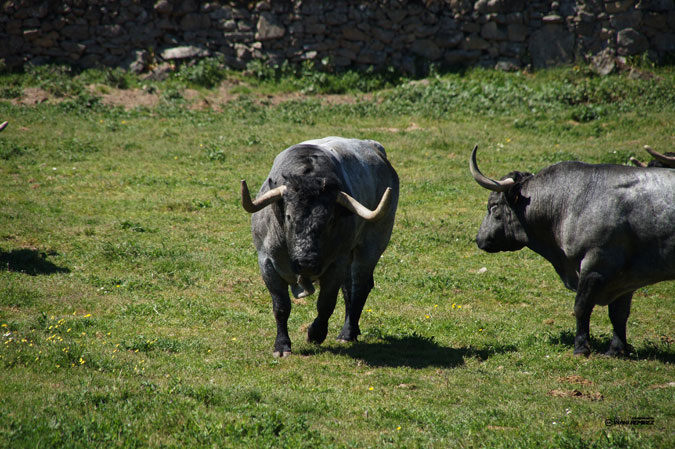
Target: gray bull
column 324, row 214
column 606, row 229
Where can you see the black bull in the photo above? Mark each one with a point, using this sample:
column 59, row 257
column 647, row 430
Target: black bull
column 666, row 160
column 324, row 214
column 606, row 229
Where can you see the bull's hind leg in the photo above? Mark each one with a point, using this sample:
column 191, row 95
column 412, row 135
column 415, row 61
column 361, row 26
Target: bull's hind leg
column 590, row 285
column 618, row 314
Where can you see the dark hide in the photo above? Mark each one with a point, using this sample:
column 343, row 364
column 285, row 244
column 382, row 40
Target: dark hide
column 606, row 229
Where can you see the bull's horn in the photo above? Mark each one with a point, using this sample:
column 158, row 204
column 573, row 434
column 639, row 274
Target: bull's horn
column 666, row 160
column 266, row 199
column 636, row 162
column 484, row 181
column 362, row 211
column 3, row 125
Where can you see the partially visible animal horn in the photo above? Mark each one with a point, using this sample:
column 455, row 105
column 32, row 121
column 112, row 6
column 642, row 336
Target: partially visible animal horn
column 3, row 125
column 362, row 211
column 265, row 200
column 484, row 181
column 636, row 162
column 666, row 160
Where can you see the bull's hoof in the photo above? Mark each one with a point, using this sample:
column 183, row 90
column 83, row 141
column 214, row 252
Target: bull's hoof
column 317, row 334
column 345, row 341
column 346, row 338
column 617, row 352
column 278, row 354
column 584, row 352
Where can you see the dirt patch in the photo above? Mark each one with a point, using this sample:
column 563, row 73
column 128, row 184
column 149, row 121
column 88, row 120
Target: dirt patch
column 412, row 127
column 32, row 96
column 593, row 396
column 127, row 98
column 214, row 99
column 662, row 386
column 575, row 379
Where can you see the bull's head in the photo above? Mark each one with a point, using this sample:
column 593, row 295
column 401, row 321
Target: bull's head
column 501, row 229
column 660, row 160
column 311, row 209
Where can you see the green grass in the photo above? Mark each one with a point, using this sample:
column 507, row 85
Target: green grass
column 133, row 313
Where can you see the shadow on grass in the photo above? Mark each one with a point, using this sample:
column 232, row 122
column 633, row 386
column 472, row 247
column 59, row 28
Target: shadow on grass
column 649, row 351
column 28, row 261
column 413, row 351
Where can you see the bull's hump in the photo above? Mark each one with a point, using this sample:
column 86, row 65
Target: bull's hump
column 342, row 147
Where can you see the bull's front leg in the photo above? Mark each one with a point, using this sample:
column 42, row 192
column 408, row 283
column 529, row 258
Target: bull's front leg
column 330, row 286
column 618, row 314
column 281, row 306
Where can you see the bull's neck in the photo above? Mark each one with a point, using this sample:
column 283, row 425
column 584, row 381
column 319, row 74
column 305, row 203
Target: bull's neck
column 543, row 215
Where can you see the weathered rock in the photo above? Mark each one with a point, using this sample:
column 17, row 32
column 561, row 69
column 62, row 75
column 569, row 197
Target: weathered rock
column 269, row 27
column 631, row 42
column 195, row 21
column 137, row 61
column 427, row 49
column 163, row 7
column 159, row 73
column 492, row 31
column 473, row 42
column 665, row 42
column 551, row 45
column 604, row 62
column 508, row 65
column 629, row 19
column 394, row 32
column 613, row 7
column 517, row 32
column 184, row 52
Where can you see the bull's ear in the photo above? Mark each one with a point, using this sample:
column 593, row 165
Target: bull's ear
column 513, row 195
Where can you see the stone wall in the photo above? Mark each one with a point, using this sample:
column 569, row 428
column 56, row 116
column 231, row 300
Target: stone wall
column 404, row 34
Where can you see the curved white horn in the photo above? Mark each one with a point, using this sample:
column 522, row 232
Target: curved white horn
column 666, row 160
column 636, row 162
column 265, row 200
column 484, row 181
column 362, row 211
column 3, row 125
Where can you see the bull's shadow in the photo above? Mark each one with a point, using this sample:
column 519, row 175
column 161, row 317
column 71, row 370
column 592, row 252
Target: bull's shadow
column 599, row 346
column 412, row 351
column 28, row 261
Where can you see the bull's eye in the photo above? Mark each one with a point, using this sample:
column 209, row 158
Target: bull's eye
column 494, row 210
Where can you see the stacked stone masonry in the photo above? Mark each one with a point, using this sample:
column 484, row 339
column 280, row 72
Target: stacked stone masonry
column 403, row 34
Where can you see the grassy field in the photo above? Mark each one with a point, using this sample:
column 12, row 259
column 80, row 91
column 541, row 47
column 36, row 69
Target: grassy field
column 133, row 313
